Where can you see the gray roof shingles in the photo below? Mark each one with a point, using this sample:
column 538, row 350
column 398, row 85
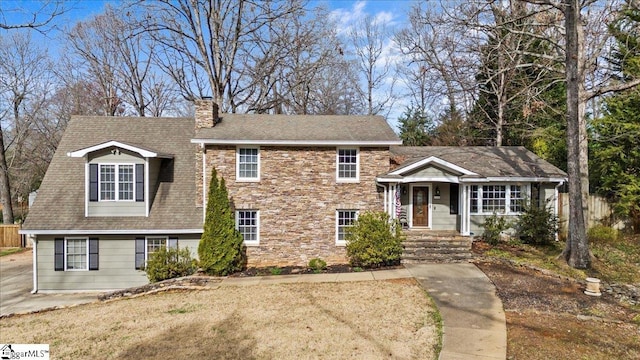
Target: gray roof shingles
column 305, row 128
column 504, row 161
column 59, row 204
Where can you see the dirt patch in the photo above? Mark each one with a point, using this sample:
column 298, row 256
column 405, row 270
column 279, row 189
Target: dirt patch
column 366, row 320
column 552, row 315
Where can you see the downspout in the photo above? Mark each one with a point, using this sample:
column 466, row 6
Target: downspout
column 35, row 265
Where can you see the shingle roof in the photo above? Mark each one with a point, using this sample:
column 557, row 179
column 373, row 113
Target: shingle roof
column 59, row 204
column 504, row 161
column 299, row 129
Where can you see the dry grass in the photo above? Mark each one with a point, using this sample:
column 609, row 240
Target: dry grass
column 361, row 320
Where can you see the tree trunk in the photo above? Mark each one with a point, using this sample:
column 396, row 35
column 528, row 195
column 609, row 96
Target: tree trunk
column 576, row 252
column 5, row 188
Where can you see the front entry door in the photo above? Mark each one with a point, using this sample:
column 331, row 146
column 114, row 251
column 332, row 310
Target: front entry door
column 420, row 206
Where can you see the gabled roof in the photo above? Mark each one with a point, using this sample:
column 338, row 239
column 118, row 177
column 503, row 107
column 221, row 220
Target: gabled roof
column 141, row 150
column 287, row 130
column 59, row 205
column 476, row 163
column 423, row 162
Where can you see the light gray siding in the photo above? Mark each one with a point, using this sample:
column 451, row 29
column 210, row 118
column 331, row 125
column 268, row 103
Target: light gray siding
column 431, row 172
column 477, row 222
column 442, row 219
column 116, row 208
column 116, row 256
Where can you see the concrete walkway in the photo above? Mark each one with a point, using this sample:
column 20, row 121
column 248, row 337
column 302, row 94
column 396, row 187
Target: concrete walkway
column 473, row 316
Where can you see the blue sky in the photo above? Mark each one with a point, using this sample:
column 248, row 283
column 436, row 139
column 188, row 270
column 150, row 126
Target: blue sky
column 346, row 13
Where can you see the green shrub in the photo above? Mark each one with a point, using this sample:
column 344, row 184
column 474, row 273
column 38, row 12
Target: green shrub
column 275, row 271
column 169, row 263
column 317, row 265
column 374, row 240
column 602, row 234
column 221, row 249
column 537, row 225
column 493, row 226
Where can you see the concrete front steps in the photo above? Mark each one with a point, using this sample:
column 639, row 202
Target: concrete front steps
column 427, row 246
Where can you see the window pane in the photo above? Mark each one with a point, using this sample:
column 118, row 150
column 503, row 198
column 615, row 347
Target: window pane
column 248, row 163
column 517, row 199
column 347, row 163
column 248, row 224
column 76, row 254
column 154, row 244
column 125, row 182
column 494, row 198
column 474, row 198
column 345, row 220
column 107, row 182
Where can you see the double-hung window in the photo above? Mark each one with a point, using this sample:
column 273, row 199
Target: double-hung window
column 348, row 163
column 248, row 164
column 117, row 182
column 344, row 220
column 146, row 246
column 500, row 199
column 75, row 254
column 248, row 224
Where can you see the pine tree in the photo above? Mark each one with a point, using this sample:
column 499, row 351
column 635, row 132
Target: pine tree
column 415, row 127
column 616, row 152
column 221, row 250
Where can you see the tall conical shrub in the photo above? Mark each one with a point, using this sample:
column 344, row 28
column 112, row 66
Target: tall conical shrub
column 221, row 251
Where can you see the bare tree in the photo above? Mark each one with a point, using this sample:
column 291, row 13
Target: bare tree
column 40, row 20
column 370, row 39
column 24, row 83
column 203, row 42
column 438, row 58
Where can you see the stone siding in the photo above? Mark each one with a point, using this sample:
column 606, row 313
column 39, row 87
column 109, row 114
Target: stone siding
column 297, row 198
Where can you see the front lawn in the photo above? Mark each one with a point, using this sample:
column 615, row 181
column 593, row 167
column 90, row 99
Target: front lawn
column 361, row 320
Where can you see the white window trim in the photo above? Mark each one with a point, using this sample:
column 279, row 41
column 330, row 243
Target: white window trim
column 526, row 190
column 255, row 242
column 86, row 242
column 343, row 242
column 146, row 245
column 347, row 180
column 246, row 179
column 117, row 182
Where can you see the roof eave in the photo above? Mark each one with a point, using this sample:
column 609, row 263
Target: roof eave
column 296, row 142
column 110, row 232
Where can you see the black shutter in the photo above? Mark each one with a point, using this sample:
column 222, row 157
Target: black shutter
column 139, row 253
column 93, row 182
column 454, row 191
column 59, row 254
column 93, row 253
column 139, row 182
column 173, row 242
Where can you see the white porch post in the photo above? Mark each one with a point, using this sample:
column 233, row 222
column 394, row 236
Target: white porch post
column 392, row 198
column 464, row 217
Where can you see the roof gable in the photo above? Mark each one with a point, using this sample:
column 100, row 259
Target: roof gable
column 144, row 152
column 430, row 161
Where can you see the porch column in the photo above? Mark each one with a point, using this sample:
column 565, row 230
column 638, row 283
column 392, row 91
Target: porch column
column 464, row 214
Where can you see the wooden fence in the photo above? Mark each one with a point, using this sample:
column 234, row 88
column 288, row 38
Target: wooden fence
column 600, row 213
column 9, row 236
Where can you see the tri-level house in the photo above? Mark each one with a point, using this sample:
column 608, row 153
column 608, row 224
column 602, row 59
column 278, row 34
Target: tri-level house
column 118, row 189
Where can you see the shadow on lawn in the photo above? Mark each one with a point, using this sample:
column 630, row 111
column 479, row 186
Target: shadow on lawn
column 222, row 340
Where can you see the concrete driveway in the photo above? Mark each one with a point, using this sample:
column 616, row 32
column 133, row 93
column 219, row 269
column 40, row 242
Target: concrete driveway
column 16, row 283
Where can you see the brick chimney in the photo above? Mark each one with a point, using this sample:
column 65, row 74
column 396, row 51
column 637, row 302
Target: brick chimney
column 206, row 113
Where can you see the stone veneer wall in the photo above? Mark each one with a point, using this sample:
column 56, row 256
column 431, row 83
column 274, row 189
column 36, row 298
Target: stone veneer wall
column 297, row 197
